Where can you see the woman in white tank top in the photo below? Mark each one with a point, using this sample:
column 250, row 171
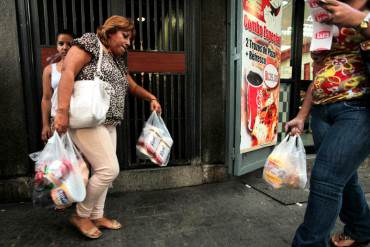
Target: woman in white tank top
column 50, row 80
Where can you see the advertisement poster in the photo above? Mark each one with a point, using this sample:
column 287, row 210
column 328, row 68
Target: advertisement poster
column 260, row 73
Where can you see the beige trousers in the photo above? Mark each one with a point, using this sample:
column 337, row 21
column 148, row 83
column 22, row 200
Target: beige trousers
column 98, row 146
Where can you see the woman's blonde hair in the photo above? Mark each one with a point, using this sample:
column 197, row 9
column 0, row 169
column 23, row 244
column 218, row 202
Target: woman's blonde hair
column 112, row 25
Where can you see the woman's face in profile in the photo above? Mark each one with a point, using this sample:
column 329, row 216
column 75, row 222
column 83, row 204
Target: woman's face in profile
column 64, row 43
column 119, row 42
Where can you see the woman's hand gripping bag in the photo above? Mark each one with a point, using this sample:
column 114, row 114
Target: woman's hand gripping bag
column 58, row 175
column 155, row 141
column 286, row 165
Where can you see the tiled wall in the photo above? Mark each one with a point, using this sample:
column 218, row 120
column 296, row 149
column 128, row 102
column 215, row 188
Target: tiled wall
column 283, row 109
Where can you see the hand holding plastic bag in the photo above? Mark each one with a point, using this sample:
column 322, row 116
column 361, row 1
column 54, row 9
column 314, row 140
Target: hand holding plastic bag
column 155, row 141
column 286, row 165
column 57, row 172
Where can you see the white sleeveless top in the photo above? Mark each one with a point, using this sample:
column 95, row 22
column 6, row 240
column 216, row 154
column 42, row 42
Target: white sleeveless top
column 55, row 76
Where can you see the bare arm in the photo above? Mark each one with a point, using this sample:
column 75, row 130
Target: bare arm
column 73, row 63
column 46, row 102
column 46, row 95
column 138, row 90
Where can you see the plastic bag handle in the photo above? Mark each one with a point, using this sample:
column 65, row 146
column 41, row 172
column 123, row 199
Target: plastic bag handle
column 298, row 144
column 163, row 124
column 151, row 118
column 70, row 142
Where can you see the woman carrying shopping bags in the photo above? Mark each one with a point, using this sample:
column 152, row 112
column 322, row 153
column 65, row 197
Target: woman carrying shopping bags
column 340, row 110
column 98, row 144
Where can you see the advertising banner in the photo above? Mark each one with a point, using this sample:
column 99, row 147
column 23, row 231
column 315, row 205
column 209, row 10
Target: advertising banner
column 261, row 55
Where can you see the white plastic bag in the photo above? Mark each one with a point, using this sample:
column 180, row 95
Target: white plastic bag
column 155, row 141
column 286, row 165
column 58, row 174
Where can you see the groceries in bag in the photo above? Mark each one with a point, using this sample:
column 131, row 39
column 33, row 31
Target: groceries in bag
column 58, row 177
column 286, row 165
column 155, row 141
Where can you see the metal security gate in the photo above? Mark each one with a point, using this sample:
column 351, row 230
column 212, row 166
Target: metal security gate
column 161, row 60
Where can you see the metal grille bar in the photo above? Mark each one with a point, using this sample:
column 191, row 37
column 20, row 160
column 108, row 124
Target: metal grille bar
column 100, row 12
column 140, row 20
column 46, row 22
column 74, row 17
column 156, row 25
column 177, row 25
column 124, row 8
column 83, row 22
column 148, row 21
column 55, row 15
column 65, row 26
column 92, row 20
column 163, row 26
column 170, row 24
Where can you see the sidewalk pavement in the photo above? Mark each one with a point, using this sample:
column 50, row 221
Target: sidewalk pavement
column 221, row 214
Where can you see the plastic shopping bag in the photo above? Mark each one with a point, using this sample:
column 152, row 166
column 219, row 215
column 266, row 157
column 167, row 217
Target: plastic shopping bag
column 155, row 141
column 58, row 177
column 286, row 165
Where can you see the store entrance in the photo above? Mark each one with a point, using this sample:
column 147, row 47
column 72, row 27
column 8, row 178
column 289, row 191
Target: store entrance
column 294, row 71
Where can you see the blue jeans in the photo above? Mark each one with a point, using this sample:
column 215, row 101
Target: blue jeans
column 341, row 134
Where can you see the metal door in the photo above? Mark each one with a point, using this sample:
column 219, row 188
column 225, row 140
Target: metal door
column 238, row 163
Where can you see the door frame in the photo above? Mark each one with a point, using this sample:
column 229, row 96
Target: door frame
column 239, row 164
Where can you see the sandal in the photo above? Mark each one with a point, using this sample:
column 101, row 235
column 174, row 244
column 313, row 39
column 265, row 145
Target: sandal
column 93, row 232
column 107, row 223
column 343, row 240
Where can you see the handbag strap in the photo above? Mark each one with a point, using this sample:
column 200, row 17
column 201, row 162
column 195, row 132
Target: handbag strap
column 98, row 66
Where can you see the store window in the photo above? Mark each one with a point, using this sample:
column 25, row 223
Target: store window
column 306, row 71
column 285, row 67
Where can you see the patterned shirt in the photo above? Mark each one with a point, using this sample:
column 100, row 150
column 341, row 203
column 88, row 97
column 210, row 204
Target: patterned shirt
column 340, row 72
column 113, row 71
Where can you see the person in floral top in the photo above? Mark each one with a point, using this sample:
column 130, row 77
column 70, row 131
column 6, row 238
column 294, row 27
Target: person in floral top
column 340, row 72
column 339, row 102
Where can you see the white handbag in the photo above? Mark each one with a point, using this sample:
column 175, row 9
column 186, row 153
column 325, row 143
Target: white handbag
column 89, row 102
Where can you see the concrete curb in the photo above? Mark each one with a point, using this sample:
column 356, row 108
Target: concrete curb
column 168, row 177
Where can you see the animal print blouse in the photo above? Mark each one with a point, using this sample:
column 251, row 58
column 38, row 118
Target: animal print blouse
column 113, row 71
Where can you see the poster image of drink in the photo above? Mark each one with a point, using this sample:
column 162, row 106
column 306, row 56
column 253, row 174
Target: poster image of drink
column 261, row 55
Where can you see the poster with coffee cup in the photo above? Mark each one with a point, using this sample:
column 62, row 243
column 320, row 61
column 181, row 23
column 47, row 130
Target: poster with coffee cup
column 261, row 54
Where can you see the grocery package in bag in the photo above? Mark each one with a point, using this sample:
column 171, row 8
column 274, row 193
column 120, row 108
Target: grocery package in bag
column 58, row 175
column 155, row 141
column 286, row 165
